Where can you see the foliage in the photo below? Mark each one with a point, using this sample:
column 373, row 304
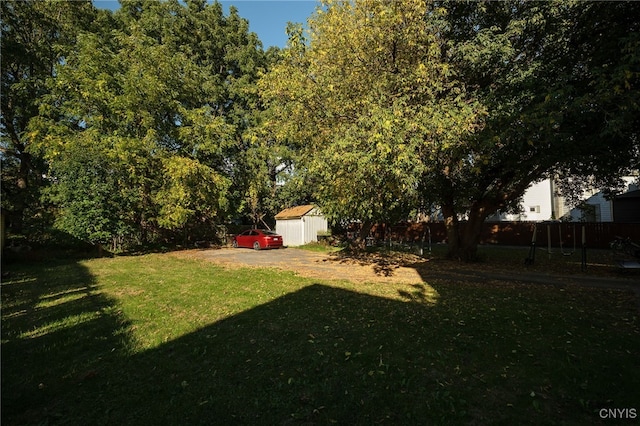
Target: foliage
column 35, row 36
column 193, row 190
column 547, row 84
column 165, row 107
column 400, row 105
column 380, row 111
column 271, row 180
column 90, row 209
column 370, row 97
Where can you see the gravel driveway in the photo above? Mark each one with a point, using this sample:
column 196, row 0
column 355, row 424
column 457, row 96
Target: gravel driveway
column 309, row 264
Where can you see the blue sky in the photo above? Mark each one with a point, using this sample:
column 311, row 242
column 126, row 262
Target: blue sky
column 267, row 18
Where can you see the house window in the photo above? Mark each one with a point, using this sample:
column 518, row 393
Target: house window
column 534, row 209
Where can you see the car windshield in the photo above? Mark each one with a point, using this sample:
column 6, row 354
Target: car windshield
column 269, row 232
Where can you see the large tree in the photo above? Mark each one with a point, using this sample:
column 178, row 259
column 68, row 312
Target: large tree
column 370, row 98
column 36, row 35
column 268, row 162
column 163, row 102
column 398, row 105
column 559, row 81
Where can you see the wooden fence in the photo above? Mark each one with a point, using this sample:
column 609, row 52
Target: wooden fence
column 597, row 234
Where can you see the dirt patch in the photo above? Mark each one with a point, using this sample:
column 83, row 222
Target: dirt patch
column 398, row 267
column 318, row 265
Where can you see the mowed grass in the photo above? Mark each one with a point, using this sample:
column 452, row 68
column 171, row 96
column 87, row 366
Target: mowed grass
column 164, row 339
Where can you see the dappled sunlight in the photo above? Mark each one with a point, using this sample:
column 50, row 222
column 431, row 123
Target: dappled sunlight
column 58, row 330
column 420, row 292
column 11, row 281
column 61, row 324
column 49, row 301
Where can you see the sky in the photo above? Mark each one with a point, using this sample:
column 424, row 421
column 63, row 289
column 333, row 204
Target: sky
column 267, row 18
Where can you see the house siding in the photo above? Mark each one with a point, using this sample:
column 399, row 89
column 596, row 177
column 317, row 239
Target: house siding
column 603, row 210
column 312, row 225
column 537, row 204
column 291, row 231
column 541, row 203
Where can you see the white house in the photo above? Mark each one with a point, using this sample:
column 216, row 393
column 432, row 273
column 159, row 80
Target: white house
column 300, row 225
column 541, row 202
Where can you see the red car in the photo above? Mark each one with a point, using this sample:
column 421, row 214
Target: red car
column 258, row 239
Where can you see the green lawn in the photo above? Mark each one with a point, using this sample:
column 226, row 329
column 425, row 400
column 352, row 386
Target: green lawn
column 162, row 339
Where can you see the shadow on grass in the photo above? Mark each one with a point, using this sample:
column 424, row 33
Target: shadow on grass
column 316, row 356
column 319, row 355
column 57, row 327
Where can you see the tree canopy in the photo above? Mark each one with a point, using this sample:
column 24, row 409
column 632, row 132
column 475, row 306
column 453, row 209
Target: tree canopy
column 35, row 37
column 168, row 118
column 405, row 105
column 153, row 105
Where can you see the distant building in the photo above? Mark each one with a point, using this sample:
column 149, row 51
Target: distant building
column 300, row 225
column 541, row 202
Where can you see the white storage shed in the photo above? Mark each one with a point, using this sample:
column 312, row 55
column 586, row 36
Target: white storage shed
column 300, row 225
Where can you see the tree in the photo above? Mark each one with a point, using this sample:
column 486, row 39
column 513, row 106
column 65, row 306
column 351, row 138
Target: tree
column 559, row 100
column 370, row 98
column 461, row 105
column 267, row 166
column 164, row 100
column 36, row 35
column 92, row 205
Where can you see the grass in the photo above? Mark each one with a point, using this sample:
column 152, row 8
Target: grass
column 320, row 247
column 162, row 339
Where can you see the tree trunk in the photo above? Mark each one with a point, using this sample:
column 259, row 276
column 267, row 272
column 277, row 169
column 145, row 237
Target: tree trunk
column 470, row 238
column 22, row 184
column 463, row 240
column 360, row 242
column 452, row 226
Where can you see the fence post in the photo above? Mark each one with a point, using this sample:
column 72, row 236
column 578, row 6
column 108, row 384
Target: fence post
column 583, row 266
column 530, row 260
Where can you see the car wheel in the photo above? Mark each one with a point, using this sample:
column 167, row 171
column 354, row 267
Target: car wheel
column 234, row 244
column 256, row 246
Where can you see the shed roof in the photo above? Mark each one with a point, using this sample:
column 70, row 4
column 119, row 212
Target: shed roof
column 294, row 212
